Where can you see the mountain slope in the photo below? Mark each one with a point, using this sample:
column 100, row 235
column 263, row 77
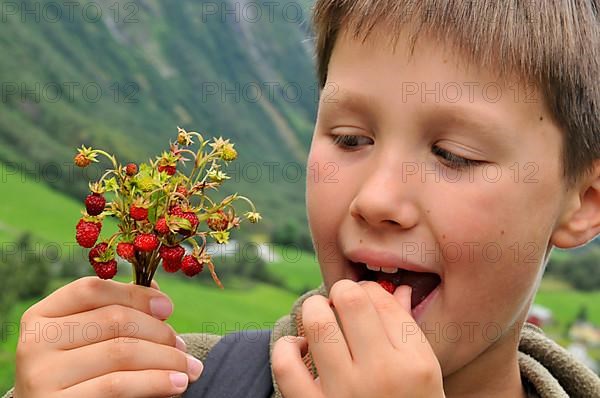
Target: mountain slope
column 124, row 80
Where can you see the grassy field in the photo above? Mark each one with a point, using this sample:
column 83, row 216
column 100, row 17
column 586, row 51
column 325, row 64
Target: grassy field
column 29, row 205
column 298, row 269
column 565, row 304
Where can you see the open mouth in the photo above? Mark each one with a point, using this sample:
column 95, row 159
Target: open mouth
column 422, row 283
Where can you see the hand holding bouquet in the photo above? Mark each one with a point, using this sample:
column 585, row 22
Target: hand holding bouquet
column 159, row 208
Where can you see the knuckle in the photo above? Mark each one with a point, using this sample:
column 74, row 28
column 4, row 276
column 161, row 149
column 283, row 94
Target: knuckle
column 23, row 351
column 26, row 382
column 120, row 354
column 169, row 333
column 116, row 315
column 339, row 286
column 385, row 305
column 433, row 375
column 312, row 303
column 176, row 359
column 312, row 312
column 280, row 362
column 280, row 368
column 112, row 386
column 181, row 360
column 29, row 314
column 29, row 336
column 32, row 376
column 319, row 327
column 424, row 372
column 351, row 296
column 87, row 284
column 85, row 289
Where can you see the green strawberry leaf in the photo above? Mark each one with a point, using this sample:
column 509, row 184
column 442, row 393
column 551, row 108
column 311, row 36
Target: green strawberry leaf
column 111, row 185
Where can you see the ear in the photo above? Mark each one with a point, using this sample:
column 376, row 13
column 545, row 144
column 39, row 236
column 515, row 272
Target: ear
column 580, row 220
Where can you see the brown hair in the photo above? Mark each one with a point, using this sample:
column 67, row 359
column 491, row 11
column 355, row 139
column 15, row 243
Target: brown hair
column 553, row 44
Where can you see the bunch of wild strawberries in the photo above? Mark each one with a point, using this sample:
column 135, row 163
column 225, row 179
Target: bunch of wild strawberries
column 160, row 208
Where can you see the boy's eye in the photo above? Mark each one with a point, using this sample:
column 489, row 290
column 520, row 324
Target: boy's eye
column 351, row 141
column 454, row 161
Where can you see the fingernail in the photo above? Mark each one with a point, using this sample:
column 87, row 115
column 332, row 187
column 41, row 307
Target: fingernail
column 161, row 307
column 362, row 282
column 195, row 367
column 178, row 379
column 180, row 344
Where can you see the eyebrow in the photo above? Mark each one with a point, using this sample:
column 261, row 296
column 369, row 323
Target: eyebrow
column 338, row 102
column 472, row 119
column 346, row 99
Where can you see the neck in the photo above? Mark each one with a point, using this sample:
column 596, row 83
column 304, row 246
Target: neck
column 494, row 373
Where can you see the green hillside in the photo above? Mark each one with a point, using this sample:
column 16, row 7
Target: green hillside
column 29, row 205
column 124, row 80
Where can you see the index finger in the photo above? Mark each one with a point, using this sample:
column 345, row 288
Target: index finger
column 89, row 293
column 395, row 315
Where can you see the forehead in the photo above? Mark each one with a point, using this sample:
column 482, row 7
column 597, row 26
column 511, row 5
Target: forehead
column 374, row 74
column 383, row 62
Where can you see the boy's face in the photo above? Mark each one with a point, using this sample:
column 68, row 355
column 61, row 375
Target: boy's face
column 389, row 189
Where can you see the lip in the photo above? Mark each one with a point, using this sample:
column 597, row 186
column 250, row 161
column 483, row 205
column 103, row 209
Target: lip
column 385, row 259
column 418, row 311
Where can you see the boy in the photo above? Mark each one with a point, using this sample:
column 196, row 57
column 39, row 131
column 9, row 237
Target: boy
column 464, row 153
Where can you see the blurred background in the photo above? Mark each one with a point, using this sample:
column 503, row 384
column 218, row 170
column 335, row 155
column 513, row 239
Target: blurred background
column 121, row 76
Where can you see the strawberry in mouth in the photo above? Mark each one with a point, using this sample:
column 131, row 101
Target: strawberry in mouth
column 422, row 283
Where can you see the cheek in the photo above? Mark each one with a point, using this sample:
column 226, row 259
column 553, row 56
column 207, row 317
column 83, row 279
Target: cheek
column 501, row 232
column 513, row 219
column 323, row 187
column 497, row 235
column 328, row 196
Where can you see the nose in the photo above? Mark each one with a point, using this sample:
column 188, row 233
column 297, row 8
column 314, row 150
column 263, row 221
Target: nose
column 384, row 199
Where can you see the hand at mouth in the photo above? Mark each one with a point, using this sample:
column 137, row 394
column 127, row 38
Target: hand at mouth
column 422, row 283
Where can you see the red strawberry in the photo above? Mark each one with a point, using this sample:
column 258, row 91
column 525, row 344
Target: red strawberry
column 126, row 250
column 387, row 285
column 171, row 266
column 191, row 266
column 138, row 213
column 170, row 170
column 131, row 169
column 94, row 204
column 171, row 253
column 106, row 270
column 175, row 211
column 193, row 219
column 161, row 226
column 97, row 251
column 146, row 242
column 87, row 233
column 218, row 221
column 182, row 190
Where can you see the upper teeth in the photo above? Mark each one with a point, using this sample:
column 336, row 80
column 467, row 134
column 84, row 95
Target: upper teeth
column 387, row 270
